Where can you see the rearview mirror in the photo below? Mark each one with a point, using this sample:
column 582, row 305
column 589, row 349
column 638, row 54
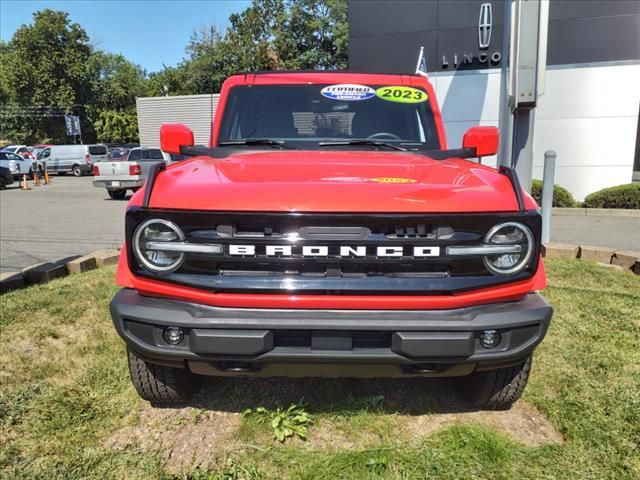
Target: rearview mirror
column 483, row 139
column 173, row 136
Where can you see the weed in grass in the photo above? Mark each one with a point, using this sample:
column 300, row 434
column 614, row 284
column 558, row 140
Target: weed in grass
column 373, row 402
column 231, row 470
column 377, row 463
column 285, row 423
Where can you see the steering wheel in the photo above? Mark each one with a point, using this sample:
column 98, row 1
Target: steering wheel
column 383, row 135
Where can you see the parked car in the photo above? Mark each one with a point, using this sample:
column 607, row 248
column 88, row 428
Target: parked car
column 76, row 159
column 36, row 149
column 6, row 177
column 361, row 246
column 117, row 153
column 17, row 164
column 22, row 150
column 118, row 175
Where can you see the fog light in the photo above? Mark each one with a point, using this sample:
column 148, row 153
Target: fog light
column 490, row 339
column 173, row 335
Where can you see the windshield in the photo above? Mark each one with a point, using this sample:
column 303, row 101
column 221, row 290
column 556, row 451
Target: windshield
column 314, row 116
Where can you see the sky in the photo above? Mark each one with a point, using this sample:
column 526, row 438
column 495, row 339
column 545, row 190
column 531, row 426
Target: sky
column 147, row 32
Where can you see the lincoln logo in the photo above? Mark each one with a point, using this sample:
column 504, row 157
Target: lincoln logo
column 485, row 21
column 342, row 251
column 484, row 26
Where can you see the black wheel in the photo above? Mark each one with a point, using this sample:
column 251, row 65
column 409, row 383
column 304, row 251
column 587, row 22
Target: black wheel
column 161, row 385
column 117, row 194
column 495, row 389
column 77, row 171
column 3, row 183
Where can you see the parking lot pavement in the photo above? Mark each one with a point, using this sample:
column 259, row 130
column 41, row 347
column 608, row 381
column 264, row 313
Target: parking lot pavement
column 622, row 233
column 72, row 217
column 67, row 217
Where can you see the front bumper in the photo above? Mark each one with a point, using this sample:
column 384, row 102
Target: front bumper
column 330, row 343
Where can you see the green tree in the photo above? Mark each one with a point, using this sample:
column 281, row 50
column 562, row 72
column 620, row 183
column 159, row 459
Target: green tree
column 268, row 35
column 46, row 64
column 317, row 35
column 117, row 81
column 116, row 126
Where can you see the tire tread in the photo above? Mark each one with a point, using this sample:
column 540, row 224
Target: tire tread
column 159, row 384
column 496, row 389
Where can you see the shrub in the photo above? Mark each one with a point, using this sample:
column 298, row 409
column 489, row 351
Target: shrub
column 621, row 196
column 561, row 196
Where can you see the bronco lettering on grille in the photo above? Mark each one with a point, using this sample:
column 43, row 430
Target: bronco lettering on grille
column 343, row 251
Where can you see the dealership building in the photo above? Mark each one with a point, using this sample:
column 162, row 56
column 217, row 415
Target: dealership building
column 589, row 112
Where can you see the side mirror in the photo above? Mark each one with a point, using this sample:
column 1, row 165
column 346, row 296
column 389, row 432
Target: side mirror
column 175, row 135
column 483, row 139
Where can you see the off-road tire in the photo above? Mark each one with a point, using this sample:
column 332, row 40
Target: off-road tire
column 161, row 385
column 494, row 389
column 117, row 194
column 77, row 171
column 3, row 183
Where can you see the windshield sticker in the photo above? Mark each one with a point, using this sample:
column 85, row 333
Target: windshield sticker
column 402, row 94
column 348, row 91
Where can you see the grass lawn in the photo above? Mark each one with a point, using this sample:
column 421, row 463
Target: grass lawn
column 67, row 409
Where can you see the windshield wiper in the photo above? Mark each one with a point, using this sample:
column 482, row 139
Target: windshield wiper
column 374, row 143
column 255, row 141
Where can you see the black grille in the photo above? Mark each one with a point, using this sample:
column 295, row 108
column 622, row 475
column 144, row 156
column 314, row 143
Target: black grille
column 332, row 273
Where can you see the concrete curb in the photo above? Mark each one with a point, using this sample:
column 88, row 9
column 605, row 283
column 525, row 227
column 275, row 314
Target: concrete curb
column 624, row 259
column 609, row 212
column 45, row 272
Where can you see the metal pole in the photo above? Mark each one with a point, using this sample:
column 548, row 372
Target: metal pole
column 505, row 121
column 547, row 193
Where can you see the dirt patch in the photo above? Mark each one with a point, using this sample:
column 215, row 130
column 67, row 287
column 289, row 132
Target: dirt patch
column 185, row 437
column 326, row 435
column 202, row 433
column 522, row 422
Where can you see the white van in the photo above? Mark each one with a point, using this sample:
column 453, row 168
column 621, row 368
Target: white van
column 77, row 159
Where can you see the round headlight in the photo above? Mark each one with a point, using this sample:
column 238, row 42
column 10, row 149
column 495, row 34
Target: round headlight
column 147, row 247
column 505, row 234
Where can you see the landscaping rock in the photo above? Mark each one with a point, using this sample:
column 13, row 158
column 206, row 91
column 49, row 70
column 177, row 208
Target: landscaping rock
column 81, row 264
column 44, row 272
column 596, row 254
column 106, row 257
column 561, row 250
column 625, row 258
column 11, row 281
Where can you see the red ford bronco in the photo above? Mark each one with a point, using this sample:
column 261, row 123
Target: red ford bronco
column 328, row 231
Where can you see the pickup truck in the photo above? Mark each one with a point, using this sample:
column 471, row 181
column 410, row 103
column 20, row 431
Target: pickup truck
column 328, row 230
column 118, row 175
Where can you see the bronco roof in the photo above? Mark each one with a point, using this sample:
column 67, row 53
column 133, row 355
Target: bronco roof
column 325, row 76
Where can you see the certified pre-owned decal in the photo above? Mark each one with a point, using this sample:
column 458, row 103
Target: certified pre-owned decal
column 402, row 94
column 348, row 91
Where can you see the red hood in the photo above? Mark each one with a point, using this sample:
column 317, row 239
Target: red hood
column 332, row 181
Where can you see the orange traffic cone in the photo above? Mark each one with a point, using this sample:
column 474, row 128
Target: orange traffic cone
column 25, row 183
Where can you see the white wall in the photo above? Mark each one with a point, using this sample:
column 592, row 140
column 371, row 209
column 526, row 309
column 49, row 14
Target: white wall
column 195, row 111
column 588, row 115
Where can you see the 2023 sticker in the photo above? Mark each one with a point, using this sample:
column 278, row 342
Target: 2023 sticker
column 402, row 94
